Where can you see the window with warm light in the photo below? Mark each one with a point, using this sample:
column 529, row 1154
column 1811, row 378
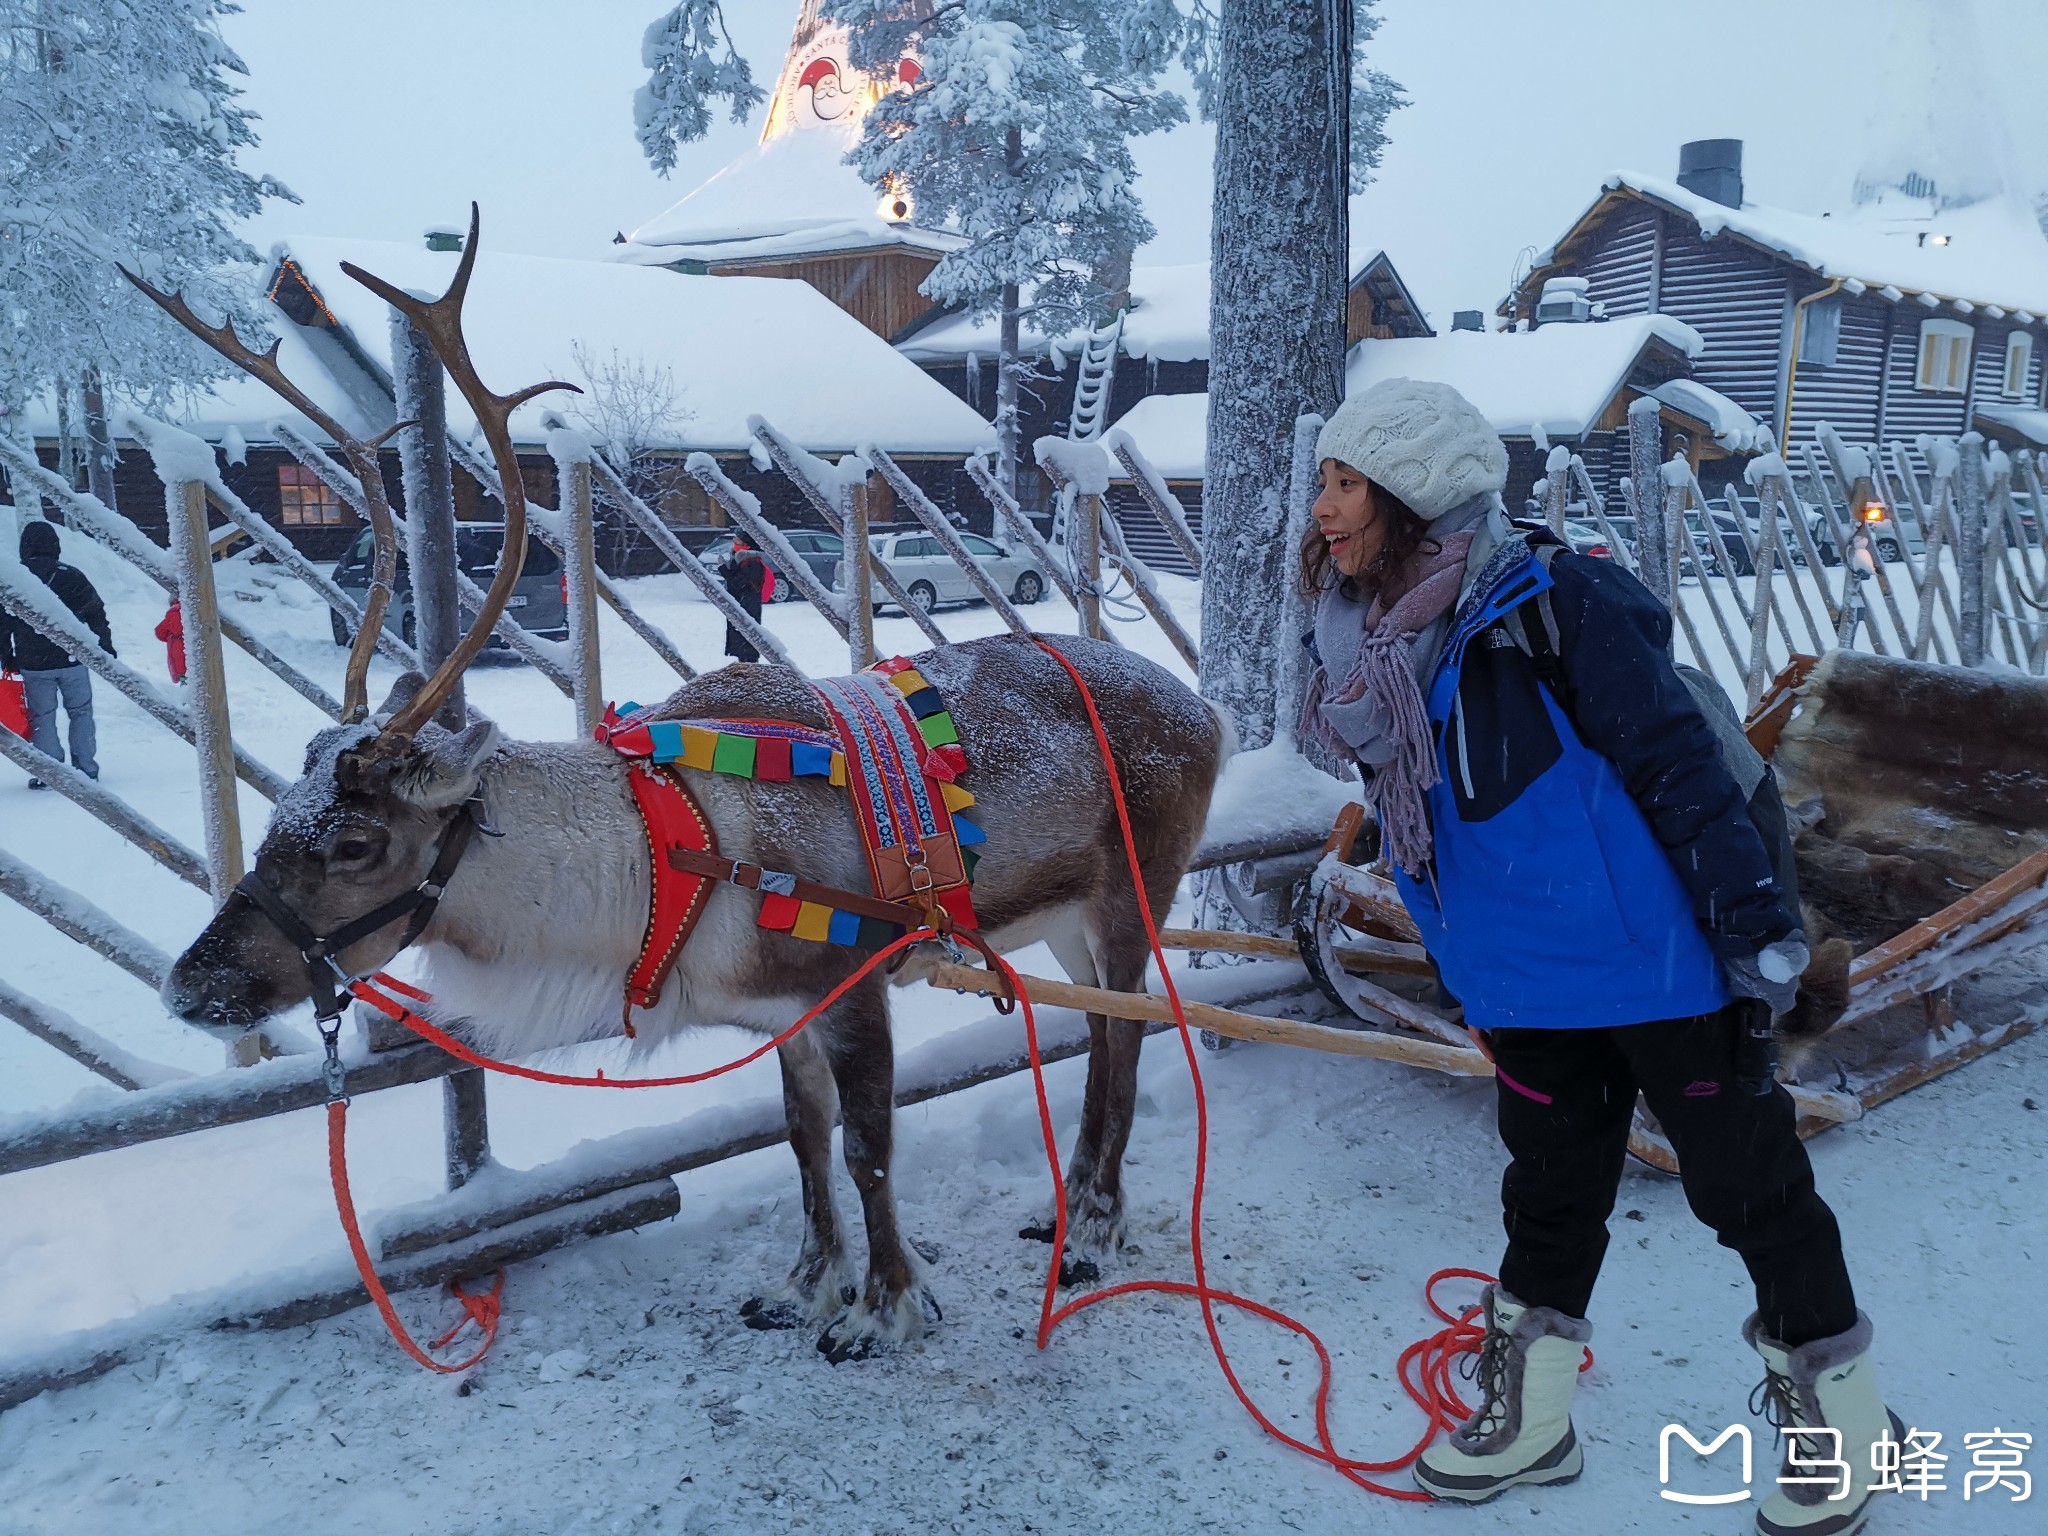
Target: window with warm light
column 2019, row 359
column 304, row 500
column 1945, row 347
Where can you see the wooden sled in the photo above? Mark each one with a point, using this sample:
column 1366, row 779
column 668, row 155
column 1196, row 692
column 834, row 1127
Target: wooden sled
column 1361, row 942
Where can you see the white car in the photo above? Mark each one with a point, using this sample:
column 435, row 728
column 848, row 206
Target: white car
column 931, row 576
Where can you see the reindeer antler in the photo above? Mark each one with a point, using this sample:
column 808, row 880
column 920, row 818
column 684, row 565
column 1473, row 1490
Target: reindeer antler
column 362, row 457
column 440, row 321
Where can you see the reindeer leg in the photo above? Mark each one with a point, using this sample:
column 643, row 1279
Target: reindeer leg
column 821, row 1284
column 893, row 1305
column 1095, row 1199
column 1069, row 945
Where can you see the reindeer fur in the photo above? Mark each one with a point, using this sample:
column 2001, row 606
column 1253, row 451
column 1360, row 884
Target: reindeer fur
column 1911, row 784
column 538, row 927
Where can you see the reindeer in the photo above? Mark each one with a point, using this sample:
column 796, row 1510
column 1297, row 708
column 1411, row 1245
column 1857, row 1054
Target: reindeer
column 536, row 927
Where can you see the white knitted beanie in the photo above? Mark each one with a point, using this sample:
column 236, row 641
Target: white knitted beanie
column 1424, row 442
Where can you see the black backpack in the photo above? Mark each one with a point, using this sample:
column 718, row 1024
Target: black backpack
column 1533, row 628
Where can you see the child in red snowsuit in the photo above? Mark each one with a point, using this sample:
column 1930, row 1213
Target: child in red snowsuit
column 172, row 632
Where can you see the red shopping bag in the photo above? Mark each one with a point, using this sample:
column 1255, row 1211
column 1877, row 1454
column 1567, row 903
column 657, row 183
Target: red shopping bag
column 13, row 703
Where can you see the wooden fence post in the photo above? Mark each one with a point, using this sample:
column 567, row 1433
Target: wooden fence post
column 219, row 810
column 429, row 506
column 1084, row 528
column 1645, row 466
column 1557, row 479
column 859, row 564
column 1971, row 610
column 585, row 670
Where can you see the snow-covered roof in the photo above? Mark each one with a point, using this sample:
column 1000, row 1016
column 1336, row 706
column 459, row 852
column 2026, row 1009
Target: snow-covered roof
column 1168, row 320
column 1993, row 252
column 1172, row 432
column 1558, row 378
column 793, row 195
column 1733, row 427
column 734, row 347
column 2022, row 420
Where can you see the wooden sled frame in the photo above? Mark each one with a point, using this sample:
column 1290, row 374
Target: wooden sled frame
column 2004, row 917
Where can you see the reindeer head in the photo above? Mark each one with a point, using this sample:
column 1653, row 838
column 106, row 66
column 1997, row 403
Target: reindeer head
column 363, row 823
column 361, row 827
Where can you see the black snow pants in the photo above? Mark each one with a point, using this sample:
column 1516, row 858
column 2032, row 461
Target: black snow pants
column 1566, row 1098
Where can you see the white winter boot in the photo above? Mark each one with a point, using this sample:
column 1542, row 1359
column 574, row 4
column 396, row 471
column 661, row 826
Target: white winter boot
column 1827, row 1384
column 1522, row 1431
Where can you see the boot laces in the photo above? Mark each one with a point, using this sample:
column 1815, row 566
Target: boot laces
column 1777, row 1400
column 1489, row 1369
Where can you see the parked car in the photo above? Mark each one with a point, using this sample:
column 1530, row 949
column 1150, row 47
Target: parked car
column 1587, row 537
column 539, row 602
column 819, row 550
column 1732, row 545
column 931, row 577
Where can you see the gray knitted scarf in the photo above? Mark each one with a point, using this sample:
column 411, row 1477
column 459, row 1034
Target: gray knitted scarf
column 1385, row 673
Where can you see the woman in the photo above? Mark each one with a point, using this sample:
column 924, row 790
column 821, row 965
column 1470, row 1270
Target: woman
column 1592, row 887
column 747, row 577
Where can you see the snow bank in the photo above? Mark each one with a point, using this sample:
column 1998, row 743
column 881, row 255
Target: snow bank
column 1270, row 791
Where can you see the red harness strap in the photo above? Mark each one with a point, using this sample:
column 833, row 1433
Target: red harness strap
column 672, row 819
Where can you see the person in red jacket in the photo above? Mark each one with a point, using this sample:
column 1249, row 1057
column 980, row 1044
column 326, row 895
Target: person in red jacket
column 172, row 632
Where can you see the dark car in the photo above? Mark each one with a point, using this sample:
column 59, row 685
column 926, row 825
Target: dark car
column 540, row 601
column 816, row 548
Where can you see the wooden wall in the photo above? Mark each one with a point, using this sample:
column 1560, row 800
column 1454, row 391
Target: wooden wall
column 878, row 287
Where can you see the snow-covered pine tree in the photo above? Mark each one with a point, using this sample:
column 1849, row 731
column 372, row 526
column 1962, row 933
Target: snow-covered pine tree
column 119, row 129
column 1300, row 123
column 691, row 62
column 1016, row 135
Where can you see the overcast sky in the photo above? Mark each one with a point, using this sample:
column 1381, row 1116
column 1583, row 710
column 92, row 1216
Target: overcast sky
column 390, row 115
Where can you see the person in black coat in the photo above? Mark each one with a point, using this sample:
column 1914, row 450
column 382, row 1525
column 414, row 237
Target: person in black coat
column 745, row 575
column 49, row 675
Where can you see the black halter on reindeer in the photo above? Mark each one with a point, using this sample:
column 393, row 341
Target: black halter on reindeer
column 530, row 937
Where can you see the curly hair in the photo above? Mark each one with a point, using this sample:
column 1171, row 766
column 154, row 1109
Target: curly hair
column 1407, row 534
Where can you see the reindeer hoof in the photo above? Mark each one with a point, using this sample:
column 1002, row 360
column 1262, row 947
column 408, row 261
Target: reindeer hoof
column 1077, row 1271
column 770, row 1316
column 838, row 1348
column 1040, row 1231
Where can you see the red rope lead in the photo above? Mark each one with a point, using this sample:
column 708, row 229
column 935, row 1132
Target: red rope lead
column 1431, row 1390
column 1424, row 1367
column 480, row 1308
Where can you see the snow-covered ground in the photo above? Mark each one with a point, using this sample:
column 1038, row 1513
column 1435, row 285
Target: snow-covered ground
column 625, row 1395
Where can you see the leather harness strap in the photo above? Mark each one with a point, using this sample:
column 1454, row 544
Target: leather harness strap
column 674, row 824
column 753, row 877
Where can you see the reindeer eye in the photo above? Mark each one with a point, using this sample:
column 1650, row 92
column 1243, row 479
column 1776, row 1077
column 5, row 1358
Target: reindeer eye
column 352, row 849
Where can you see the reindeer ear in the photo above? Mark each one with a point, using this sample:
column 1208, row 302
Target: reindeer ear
column 442, row 769
column 402, row 691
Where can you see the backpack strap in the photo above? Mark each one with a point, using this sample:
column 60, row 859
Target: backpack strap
column 1539, row 639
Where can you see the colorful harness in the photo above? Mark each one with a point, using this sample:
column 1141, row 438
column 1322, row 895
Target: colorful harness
column 892, row 743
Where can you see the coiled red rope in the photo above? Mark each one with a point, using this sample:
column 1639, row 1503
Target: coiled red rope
column 1424, row 1367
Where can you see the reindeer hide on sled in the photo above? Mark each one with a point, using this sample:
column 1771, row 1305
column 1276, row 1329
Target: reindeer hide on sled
column 1909, row 785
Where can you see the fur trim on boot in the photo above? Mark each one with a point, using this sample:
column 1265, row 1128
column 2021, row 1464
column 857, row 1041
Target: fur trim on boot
column 1828, row 1386
column 1522, row 1431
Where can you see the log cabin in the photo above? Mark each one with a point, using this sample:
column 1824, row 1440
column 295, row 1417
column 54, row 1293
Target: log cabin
column 1906, row 313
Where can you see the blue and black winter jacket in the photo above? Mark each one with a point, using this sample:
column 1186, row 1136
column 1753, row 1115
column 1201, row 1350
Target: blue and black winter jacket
column 1594, row 860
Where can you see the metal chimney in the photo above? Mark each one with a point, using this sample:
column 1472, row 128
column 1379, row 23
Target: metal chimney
column 1712, row 168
